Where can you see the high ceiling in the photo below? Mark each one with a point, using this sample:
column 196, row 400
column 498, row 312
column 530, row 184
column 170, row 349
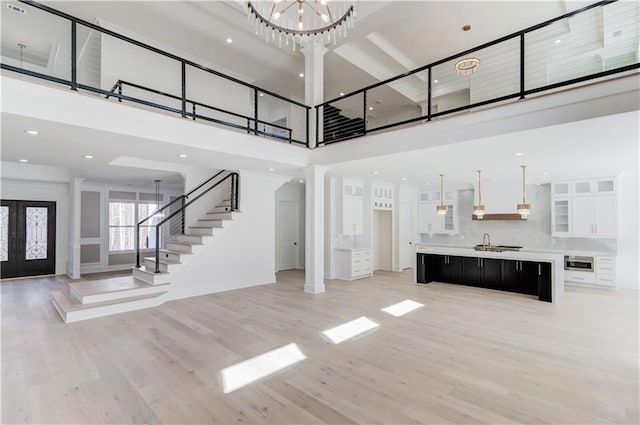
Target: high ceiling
column 390, row 37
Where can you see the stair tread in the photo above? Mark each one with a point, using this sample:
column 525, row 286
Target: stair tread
column 184, row 243
column 163, row 260
column 168, row 251
column 148, row 272
column 95, row 287
column 69, row 304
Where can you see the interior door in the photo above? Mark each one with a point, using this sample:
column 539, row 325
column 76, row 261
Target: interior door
column 405, row 244
column 27, row 238
column 287, row 235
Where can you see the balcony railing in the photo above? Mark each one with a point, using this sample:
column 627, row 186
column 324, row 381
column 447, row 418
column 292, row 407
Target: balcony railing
column 85, row 56
column 592, row 43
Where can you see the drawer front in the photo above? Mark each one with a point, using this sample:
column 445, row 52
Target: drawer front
column 607, row 281
column 606, row 269
column 356, row 254
column 605, row 260
column 582, row 277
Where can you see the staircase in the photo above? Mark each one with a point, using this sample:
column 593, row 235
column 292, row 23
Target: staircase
column 148, row 286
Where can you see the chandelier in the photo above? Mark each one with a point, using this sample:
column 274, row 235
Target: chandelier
column 297, row 21
column 468, row 65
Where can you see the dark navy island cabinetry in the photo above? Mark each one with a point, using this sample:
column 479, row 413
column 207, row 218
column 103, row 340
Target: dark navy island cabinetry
column 523, row 277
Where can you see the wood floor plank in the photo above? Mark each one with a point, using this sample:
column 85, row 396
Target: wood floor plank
column 469, row 355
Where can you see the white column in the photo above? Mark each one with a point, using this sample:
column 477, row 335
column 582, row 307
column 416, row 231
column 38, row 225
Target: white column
column 313, row 82
column 75, row 215
column 314, row 229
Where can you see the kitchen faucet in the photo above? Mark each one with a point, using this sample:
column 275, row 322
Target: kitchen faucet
column 488, row 238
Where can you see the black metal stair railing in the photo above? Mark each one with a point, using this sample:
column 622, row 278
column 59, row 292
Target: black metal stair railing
column 250, row 126
column 214, row 182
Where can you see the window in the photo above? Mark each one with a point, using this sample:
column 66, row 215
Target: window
column 123, row 216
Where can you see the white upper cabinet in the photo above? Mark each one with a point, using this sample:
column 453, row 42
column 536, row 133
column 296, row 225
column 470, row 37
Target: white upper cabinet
column 429, row 222
column 352, row 206
column 589, row 211
column 382, row 197
column 594, row 187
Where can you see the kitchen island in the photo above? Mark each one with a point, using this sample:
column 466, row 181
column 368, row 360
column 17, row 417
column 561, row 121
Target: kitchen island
column 527, row 272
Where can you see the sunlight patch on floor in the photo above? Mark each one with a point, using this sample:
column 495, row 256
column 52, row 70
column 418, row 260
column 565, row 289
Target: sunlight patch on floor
column 350, row 329
column 402, row 308
column 259, row 367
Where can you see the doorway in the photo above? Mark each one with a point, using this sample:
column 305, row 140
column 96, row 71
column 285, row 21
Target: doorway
column 405, row 225
column 382, row 240
column 287, row 235
column 27, row 238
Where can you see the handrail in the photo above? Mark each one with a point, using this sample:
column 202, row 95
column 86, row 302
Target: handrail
column 235, row 190
column 468, row 51
column 118, row 85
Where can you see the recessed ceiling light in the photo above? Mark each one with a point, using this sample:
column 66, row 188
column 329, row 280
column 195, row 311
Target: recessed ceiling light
column 32, row 132
column 404, row 179
column 376, row 172
column 261, row 94
column 371, row 108
column 229, row 40
column 301, row 181
column 518, row 154
column 88, row 156
column 427, row 184
column 341, row 94
column 182, row 155
column 301, row 75
column 558, row 41
column 24, row 160
column 544, row 173
column 272, row 169
column 435, row 81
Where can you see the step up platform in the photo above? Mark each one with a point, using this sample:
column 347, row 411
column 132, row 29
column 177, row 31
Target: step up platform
column 96, row 291
column 165, row 264
column 73, row 310
column 151, row 277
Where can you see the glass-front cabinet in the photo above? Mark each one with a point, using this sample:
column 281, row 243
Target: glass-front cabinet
column 560, row 216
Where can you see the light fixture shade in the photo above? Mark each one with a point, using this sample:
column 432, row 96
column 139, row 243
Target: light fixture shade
column 524, row 210
column 442, row 209
column 298, row 21
column 467, row 66
column 479, row 210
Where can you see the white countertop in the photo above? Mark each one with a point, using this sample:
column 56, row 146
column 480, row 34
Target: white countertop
column 353, row 249
column 541, row 250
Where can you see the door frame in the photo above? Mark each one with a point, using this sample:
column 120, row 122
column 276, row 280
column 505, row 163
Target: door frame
column 16, row 240
column 296, row 235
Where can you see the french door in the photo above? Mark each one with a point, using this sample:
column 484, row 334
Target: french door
column 27, row 238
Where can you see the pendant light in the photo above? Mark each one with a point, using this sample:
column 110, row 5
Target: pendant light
column 524, row 209
column 442, row 208
column 479, row 209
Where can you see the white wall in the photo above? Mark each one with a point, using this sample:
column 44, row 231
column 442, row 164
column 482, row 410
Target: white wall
column 243, row 254
column 38, row 183
column 293, row 191
column 628, row 248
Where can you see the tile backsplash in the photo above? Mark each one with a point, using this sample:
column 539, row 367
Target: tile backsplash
column 535, row 232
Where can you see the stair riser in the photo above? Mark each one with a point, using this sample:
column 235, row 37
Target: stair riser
column 151, row 278
column 220, row 209
column 150, row 266
column 108, row 296
column 180, row 248
column 190, row 238
column 171, row 256
column 208, row 231
column 215, row 224
column 219, row 216
column 92, row 313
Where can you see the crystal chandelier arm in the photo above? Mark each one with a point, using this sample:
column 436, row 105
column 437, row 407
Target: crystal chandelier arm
column 283, row 10
column 319, row 13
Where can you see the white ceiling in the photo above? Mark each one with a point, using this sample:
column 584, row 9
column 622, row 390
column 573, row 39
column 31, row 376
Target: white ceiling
column 392, row 36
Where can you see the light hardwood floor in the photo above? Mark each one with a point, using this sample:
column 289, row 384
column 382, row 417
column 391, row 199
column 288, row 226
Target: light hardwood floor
column 468, row 356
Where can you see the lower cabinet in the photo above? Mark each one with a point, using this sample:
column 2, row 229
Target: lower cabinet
column 353, row 264
column 524, row 277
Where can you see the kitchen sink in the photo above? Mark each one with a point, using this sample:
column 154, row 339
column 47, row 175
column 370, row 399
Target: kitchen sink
column 497, row 248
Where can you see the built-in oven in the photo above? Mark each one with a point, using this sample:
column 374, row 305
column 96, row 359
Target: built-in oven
column 576, row 263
